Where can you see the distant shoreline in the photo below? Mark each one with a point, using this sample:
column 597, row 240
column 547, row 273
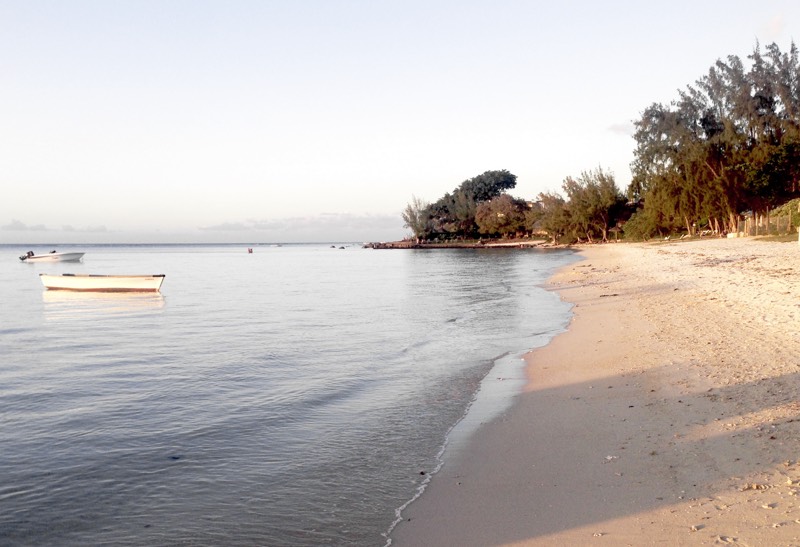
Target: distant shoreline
column 472, row 244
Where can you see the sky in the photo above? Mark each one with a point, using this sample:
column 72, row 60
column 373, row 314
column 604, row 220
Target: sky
column 232, row 121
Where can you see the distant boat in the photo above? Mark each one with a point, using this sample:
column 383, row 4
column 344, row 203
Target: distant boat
column 102, row 283
column 52, row 256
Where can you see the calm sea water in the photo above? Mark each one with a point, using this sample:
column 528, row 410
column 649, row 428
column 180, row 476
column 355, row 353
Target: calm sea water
column 293, row 396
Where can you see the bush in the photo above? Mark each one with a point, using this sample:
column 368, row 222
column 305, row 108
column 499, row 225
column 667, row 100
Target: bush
column 638, row 227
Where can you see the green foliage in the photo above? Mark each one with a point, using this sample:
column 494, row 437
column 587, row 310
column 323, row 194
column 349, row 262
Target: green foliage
column 639, row 227
column 594, row 204
column 502, row 215
column 453, row 215
column 550, row 215
column 488, row 185
column 417, row 217
column 480, row 206
column 789, row 209
column 728, row 144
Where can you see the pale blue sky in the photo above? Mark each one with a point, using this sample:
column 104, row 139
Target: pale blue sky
column 238, row 121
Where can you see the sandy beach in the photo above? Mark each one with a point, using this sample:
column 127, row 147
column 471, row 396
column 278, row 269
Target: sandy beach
column 668, row 414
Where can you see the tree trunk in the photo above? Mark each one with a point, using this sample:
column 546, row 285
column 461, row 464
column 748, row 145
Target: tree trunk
column 767, row 217
column 733, row 227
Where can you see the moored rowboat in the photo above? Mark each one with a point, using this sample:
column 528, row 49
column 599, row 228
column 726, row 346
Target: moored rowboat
column 51, row 257
column 103, row 283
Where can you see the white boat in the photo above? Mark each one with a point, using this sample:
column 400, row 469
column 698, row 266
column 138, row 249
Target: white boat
column 52, row 256
column 102, row 283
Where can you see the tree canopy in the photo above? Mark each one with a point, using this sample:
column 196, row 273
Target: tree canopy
column 594, row 204
column 454, row 214
column 502, row 215
column 730, row 143
column 480, row 207
column 726, row 146
column 416, row 217
column 549, row 214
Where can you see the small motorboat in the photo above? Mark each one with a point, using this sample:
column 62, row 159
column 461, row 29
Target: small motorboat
column 102, row 283
column 52, row 256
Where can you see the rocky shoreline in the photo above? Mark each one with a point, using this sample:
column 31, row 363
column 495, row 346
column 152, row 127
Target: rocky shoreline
column 407, row 244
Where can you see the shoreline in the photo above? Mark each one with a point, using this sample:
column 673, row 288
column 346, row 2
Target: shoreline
column 522, row 243
column 667, row 413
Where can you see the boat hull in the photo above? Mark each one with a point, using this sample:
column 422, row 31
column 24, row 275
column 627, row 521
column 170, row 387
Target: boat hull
column 53, row 257
column 102, row 283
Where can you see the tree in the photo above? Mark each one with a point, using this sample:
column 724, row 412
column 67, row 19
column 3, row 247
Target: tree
column 594, row 203
column 503, row 215
column 728, row 145
column 417, row 217
column 463, row 210
column 550, row 215
column 454, row 213
column 488, row 185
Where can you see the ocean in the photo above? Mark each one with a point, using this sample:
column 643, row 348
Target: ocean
column 299, row 395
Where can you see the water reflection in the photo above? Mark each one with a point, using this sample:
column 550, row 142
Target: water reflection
column 65, row 304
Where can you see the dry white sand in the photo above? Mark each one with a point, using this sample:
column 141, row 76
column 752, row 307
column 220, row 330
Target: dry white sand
column 668, row 414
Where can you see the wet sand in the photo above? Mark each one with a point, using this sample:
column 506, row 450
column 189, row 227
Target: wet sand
column 668, row 414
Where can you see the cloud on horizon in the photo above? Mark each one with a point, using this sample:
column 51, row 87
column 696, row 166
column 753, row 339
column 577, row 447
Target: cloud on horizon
column 88, row 229
column 326, row 227
column 325, row 223
column 18, row 226
column 227, row 227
